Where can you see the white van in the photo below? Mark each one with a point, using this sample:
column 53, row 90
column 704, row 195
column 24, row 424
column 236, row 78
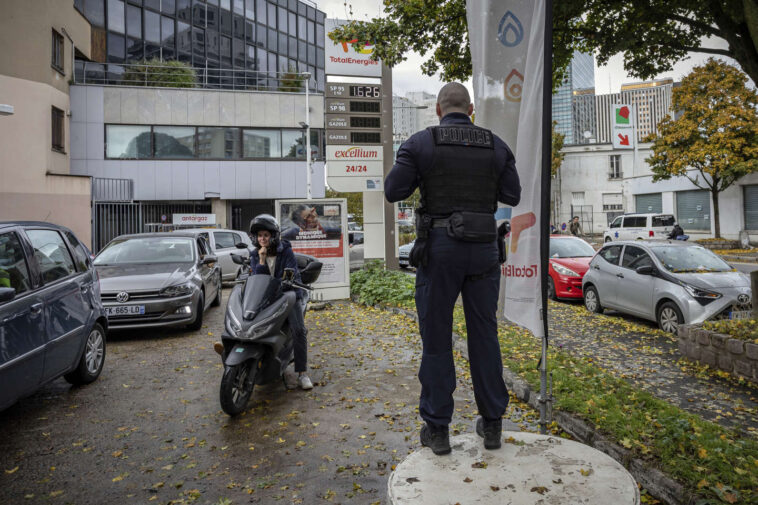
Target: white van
column 640, row 227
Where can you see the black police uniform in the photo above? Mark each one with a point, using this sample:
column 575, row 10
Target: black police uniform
column 458, row 167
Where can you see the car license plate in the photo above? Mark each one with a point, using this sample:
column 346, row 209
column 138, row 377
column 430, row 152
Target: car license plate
column 125, row 310
column 740, row 314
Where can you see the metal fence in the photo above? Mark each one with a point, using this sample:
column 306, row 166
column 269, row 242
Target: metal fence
column 112, row 190
column 87, row 72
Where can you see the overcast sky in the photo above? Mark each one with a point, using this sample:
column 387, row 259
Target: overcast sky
column 407, row 76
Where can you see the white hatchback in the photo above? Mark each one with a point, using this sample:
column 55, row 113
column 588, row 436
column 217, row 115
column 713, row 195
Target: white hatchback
column 640, row 227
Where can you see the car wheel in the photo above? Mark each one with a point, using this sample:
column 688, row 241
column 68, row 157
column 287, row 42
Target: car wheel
column 607, row 239
column 551, row 289
column 217, row 301
column 198, row 322
column 92, row 359
column 669, row 317
column 592, row 300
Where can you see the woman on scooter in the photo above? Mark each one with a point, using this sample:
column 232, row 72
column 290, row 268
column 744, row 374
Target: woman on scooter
column 271, row 256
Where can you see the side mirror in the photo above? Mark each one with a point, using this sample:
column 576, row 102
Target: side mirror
column 240, row 245
column 7, row 294
column 236, row 258
column 289, row 274
column 645, row 270
column 209, row 259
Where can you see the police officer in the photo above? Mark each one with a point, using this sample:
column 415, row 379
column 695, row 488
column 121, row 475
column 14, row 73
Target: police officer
column 462, row 171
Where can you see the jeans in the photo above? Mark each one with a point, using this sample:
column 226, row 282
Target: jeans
column 299, row 335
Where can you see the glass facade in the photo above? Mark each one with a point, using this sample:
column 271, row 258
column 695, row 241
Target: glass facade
column 581, row 76
column 201, row 142
column 259, row 35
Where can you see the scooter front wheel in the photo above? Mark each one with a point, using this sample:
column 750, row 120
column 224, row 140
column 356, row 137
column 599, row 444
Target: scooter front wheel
column 237, row 386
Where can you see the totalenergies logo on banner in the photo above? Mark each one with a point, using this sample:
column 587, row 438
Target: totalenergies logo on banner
column 526, row 271
column 356, row 152
column 510, row 33
column 513, row 86
column 518, row 225
column 367, row 48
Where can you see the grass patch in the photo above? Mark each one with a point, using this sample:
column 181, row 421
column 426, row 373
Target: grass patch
column 744, row 329
column 715, row 464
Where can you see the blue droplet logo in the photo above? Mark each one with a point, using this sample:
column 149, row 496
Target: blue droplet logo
column 510, row 33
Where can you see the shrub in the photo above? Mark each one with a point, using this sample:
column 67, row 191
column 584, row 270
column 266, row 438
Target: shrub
column 373, row 284
column 161, row 74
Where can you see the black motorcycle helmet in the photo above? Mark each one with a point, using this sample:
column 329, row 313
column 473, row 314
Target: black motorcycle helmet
column 265, row 222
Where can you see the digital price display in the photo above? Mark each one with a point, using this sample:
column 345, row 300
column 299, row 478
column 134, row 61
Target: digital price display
column 365, row 122
column 365, row 137
column 365, row 91
column 361, row 106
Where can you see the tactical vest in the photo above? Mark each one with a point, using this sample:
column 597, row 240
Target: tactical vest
column 463, row 175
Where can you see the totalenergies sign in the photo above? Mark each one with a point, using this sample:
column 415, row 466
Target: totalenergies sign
column 343, row 59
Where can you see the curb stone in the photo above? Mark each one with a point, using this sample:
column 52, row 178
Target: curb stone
column 657, row 483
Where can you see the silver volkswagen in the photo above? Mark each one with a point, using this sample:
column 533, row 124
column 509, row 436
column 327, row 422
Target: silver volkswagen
column 667, row 281
column 158, row 279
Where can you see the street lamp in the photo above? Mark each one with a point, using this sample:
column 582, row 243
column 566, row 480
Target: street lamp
column 307, row 126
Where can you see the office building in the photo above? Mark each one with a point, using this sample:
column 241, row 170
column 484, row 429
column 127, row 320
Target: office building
column 580, row 76
column 39, row 41
column 404, row 118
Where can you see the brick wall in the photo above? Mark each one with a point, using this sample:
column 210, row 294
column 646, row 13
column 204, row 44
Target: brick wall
column 738, row 357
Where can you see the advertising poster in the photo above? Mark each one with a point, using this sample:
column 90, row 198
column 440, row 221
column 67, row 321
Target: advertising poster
column 315, row 228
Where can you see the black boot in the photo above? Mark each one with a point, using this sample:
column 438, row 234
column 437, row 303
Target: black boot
column 437, row 439
column 490, row 431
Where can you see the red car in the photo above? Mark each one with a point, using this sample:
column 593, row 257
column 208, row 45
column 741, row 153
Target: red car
column 569, row 260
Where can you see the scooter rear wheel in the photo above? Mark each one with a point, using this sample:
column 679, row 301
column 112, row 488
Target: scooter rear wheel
column 237, row 386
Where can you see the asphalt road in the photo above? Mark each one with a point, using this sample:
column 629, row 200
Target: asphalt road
column 745, row 267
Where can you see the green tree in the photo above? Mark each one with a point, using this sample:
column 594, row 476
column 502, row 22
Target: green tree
column 715, row 141
column 159, row 73
column 354, row 203
column 557, row 154
column 652, row 35
column 292, row 81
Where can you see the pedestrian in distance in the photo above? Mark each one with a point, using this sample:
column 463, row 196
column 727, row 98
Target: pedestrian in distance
column 462, row 171
column 576, row 227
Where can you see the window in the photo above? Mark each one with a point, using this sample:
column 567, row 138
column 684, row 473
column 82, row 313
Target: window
column 201, row 247
column 635, row 221
column 127, row 142
column 612, row 201
column 81, row 256
column 217, row 142
column 134, row 21
column 660, row 221
column 611, row 254
column 261, row 144
column 57, row 58
column 224, row 240
column 635, row 257
column 116, row 16
column 54, row 260
column 293, row 144
column 174, row 141
column 57, row 130
column 14, row 272
column 615, row 167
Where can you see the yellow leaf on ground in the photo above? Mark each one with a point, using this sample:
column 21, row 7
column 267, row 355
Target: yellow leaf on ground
column 12, row 470
column 702, row 453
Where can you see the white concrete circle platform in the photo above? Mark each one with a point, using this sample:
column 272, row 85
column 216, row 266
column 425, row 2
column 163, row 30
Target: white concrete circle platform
column 528, row 469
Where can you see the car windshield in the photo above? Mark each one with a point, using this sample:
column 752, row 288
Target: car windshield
column 690, row 260
column 570, row 248
column 147, row 250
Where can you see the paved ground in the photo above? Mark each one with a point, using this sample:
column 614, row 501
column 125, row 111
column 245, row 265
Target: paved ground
column 745, row 267
column 637, row 351
column 151, row 429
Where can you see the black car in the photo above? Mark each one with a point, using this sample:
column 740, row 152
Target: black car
column 52, row 322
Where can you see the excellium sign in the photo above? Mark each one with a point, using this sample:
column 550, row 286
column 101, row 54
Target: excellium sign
column 343, row 59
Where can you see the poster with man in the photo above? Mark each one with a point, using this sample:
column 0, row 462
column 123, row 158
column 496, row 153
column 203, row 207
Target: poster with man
column 314, row 227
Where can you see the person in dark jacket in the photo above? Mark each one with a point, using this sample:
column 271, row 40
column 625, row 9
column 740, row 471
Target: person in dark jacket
column 676, row 232
column 462, row 171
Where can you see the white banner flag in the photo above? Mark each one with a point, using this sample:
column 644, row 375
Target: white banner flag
column 507, row 53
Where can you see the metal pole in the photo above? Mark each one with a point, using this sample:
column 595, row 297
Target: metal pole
column 390, row 250
column 754, row 289
column 308, row 134
column 545, row 398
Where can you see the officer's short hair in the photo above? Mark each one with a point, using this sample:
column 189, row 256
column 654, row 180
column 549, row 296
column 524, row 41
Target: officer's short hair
column 454, row 97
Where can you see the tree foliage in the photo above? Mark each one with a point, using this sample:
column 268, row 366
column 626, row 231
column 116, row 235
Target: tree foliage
column 292, row 81
column 556, row 155
column 354, row 203
column 715, row 141
column 652, row 35
column 160, row 73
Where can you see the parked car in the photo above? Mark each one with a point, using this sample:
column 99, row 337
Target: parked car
column 223, row 245
column 640, row 227
column 355, row 240
column 52, row 322
column 667, row 281
column 404, row 253
column 569, row 260
column 158, row 279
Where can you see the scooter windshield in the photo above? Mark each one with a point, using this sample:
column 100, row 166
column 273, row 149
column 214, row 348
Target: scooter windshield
column 260, row 291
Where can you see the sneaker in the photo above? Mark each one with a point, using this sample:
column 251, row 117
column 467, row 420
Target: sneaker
column 304, row 381
column 219, row 348
column 490, row 431
column 438, row 440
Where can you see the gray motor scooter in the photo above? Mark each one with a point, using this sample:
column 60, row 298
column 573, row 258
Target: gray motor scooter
column 258, row 342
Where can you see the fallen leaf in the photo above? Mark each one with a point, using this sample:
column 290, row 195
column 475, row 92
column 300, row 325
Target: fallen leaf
column 539, row 489
column 12, row 470
column 468, row 479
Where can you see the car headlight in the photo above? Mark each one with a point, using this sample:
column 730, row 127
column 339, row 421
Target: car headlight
column 178, row 290
column 703, row 296
column 564, row 271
